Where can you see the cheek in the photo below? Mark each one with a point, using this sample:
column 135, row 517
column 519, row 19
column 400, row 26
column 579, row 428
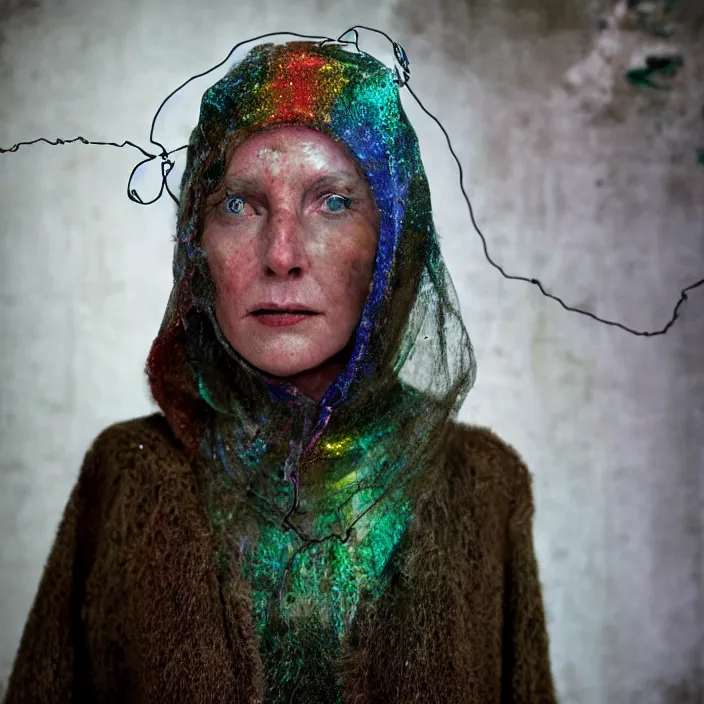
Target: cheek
column 228, row 274
column 359, row 278
column 353, row 275
column 361, row 268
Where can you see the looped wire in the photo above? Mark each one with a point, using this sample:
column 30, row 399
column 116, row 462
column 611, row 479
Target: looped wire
column 403, row 75
column 402, row 59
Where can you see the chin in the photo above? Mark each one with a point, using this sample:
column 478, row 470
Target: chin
column 286, row 356
column 283, row 371
column 285, row 364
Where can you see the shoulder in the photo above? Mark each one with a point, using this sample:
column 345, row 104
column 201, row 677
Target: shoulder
column 150, row 434
column 478, row 456
column 141, row 450
column 483, row 484
column 133, row 470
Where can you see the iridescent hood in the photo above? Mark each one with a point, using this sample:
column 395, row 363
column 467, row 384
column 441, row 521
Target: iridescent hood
column 411, row 361
column 309, row 497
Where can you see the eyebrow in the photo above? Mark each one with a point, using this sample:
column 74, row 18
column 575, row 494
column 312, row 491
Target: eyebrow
column 352, row 181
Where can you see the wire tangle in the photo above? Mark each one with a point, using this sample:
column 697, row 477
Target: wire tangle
column 403, row 75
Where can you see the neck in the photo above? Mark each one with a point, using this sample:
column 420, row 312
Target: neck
column 313, row 383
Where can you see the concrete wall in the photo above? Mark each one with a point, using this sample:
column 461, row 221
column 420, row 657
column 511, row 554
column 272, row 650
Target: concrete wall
column 576, row 178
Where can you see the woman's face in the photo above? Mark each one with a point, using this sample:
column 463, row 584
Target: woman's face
column 291, row 238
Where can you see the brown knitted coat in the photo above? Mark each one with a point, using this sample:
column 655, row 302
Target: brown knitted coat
column 129, row 610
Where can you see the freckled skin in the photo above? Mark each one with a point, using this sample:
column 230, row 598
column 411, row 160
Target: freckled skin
column 278, row 239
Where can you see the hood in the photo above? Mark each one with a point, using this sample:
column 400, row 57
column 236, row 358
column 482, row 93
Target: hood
column 411, row 328
column 285, row 474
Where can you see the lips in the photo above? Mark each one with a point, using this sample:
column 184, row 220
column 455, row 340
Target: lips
column 282, row 311
column 282, row 317
column 270, row 308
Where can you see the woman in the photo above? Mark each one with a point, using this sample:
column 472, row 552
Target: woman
column 305, row 521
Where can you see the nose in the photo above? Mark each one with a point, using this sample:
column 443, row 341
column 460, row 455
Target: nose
column 284, row 252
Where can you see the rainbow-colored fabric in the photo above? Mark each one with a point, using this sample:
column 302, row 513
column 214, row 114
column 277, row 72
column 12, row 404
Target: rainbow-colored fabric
column 311, row 503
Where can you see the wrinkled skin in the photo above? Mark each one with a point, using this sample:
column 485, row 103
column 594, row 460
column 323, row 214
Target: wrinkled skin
column 294, row 223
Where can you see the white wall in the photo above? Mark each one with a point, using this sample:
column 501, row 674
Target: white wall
column 572, row 182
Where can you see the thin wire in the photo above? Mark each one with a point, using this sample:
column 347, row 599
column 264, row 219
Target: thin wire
column 402, row 71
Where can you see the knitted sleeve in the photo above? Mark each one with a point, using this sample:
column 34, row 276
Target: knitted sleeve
column 49, row 663
column 527, row 677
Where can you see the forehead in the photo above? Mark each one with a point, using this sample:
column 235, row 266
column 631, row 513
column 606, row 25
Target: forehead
column 301, row 146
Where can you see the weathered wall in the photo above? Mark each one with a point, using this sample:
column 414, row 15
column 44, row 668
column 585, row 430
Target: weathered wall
column 577, row 178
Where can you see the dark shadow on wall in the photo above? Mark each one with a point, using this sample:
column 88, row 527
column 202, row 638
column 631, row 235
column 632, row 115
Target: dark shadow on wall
column 689, row 364
column 690, row 13
column 12, row 9
column 12, row 12
column 544, row 16
column 496, row 36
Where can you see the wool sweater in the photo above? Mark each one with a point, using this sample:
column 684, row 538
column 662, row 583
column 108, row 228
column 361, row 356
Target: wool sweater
column 128, row 608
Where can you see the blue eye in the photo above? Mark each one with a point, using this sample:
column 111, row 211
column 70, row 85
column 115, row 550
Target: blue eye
column 239, row 205
column 342, row 203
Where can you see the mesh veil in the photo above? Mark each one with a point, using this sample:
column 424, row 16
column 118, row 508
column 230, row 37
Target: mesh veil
column 310, row 503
